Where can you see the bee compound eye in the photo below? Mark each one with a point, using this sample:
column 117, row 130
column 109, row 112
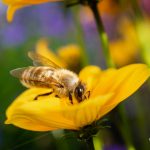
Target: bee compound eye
column 79, row 91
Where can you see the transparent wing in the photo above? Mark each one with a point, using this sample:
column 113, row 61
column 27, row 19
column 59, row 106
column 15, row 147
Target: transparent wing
column 18, row 72
column 39, row 82
column 39, row 60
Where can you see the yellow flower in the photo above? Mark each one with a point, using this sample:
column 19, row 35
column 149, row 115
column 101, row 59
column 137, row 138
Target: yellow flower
column 109, row 6
column 108, row 88
column 14, row 5
column 67, row 56
column 71, row 55
column 43, row 49
column 125, row 50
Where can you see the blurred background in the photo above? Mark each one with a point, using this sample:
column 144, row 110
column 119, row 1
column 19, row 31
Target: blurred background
column 70, row 36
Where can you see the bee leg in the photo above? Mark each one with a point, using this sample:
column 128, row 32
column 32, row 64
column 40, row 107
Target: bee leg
column 87, row 95
column 45, row 94
column 70, row 98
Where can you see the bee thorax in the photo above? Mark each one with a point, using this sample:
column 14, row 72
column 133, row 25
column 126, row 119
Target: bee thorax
column 68, row 79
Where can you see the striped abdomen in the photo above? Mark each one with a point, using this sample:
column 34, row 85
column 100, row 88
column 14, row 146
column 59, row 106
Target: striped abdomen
column 36, row 77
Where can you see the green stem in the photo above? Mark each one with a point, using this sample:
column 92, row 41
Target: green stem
column 142, row 122
column 89, row 143
column 97, row 142
column 136, row 9
column 125, row 128
column 102, row 33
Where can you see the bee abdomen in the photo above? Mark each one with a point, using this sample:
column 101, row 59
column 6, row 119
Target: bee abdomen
column 36, row 77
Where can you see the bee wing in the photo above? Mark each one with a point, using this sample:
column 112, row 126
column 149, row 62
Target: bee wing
column 39, row 60
column 18, row 72
column 53, row 82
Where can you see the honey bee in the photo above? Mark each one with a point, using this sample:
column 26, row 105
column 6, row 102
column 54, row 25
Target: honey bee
column 46, row 74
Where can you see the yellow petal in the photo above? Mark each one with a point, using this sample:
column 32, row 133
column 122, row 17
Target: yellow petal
column 90, row 75
column 43, row 49
column 88, row 111
column 46, row 112
column 11, row 11
column 14, row 5
column 26, row 97
column 109, row 7
column 122, row 82
column 125, row 50
column 71, row 54
column 31, row 2
column 28, row 124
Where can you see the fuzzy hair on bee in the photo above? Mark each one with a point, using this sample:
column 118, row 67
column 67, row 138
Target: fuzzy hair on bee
column 46, row 74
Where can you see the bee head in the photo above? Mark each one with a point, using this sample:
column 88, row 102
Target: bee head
column 79, row 92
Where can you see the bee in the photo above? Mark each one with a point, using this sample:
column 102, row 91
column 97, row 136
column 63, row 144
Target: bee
column 46, row 74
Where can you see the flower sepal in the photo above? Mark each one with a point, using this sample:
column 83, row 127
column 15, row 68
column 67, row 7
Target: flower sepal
column 91, row 130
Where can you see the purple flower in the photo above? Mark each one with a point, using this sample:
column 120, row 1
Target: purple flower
column 115, row 147
column 35, row 21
